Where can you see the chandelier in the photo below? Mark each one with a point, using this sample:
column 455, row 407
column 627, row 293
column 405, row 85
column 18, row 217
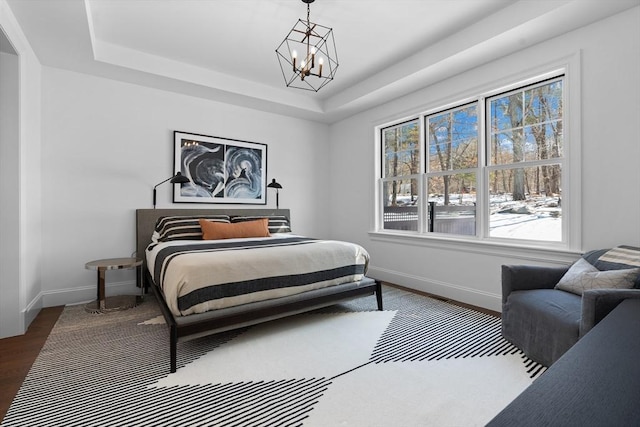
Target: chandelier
column 307, row 55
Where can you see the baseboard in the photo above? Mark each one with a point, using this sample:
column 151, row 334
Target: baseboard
column 86, row 294
column 452, row 291
column 32, row 310
column 447, row 290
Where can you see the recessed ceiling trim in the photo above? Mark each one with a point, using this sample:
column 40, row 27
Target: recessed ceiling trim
column 67, row 35
column 152, row 64
column 141, row 61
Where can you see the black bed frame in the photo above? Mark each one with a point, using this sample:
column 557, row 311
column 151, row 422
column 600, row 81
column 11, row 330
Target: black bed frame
column 212, row 322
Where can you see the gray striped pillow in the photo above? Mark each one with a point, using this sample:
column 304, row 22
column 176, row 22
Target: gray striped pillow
column 277, row 223
column 169, row 228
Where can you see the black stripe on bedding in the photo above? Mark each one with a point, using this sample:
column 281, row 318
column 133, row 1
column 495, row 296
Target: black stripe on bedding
column 165, row 255
column 277, row 223
column 183, row 227
column 264, row 284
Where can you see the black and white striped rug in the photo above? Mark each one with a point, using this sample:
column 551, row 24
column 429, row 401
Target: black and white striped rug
column 420, row 362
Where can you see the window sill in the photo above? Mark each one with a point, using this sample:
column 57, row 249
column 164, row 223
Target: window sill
column 557, row 254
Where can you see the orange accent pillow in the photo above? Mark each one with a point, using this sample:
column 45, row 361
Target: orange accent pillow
column 217, row 230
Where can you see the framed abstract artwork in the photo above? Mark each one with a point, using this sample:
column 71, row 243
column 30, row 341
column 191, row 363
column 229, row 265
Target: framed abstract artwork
column 221, row 170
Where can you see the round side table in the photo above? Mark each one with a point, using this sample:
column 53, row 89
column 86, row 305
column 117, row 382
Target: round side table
column 120, row 302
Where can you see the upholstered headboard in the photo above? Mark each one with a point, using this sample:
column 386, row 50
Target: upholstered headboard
column 146, row 220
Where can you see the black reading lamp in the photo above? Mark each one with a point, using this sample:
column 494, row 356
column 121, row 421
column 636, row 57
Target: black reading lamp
column 178, row 178
column 274, row 184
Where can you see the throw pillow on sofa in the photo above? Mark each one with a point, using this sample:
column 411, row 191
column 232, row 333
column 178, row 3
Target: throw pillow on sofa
column 583, row 276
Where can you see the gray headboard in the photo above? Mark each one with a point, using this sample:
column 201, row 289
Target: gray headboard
column 146, row 220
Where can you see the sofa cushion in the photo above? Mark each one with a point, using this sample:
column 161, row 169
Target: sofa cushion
column 594, row 384
column 544, row 323
column 619, row 258
column 583, row 276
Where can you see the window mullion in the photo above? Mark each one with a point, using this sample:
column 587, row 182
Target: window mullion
column 423, row 193
column 482, row 194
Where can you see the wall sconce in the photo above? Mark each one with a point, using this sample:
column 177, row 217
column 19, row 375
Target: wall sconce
column 178, row 178
column 277, row 186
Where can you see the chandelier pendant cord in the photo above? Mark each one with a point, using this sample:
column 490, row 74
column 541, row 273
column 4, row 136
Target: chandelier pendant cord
column 309, row 32
column 306, row 69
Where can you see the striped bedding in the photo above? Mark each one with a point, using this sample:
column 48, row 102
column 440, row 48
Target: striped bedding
column 201, row 275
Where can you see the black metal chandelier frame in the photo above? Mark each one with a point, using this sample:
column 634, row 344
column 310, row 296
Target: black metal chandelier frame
column 319, row 61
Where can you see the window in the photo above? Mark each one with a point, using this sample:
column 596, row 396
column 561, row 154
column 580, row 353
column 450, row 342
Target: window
column 490, row 169
column 401, row 169
column 525, row 163
column 452, row 170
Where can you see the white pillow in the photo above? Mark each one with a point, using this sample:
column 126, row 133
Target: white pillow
column 583, row 276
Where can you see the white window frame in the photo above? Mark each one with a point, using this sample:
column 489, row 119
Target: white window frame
column 477, row 170
column 569, row 67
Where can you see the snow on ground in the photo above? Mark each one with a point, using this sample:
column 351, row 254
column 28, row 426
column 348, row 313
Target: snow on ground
column 529, row 227
column 543, row 222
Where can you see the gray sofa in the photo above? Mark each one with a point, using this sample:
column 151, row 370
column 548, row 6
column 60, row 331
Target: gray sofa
column 545, row 322
column 595, row 383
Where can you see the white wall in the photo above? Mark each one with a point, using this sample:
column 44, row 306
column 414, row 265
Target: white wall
column 20, row 288
column 107, row 143
column 10, row 323
column 610, row 103
column 31, row 176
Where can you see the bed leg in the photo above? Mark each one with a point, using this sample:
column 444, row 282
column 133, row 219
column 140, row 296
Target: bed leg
column 173, row 344
column 379, row 294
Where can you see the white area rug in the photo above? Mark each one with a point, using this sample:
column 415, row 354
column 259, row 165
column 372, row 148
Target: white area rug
column 314, row 345
column 423, row 362
column 452, row 392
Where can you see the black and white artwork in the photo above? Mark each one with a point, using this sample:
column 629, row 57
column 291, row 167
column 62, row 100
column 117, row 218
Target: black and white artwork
column 221, row 170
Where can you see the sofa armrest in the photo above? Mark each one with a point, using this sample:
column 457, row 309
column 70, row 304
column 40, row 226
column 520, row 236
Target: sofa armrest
column 597, row 303
column 525, row 277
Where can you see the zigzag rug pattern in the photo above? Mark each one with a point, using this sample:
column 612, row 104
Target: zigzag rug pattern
column 435, row 330
column 112, row 369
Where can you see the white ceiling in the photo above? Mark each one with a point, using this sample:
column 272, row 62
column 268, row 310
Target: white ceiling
column 225, row 49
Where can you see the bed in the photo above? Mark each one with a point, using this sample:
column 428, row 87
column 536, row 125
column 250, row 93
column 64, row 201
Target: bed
column 189, row 316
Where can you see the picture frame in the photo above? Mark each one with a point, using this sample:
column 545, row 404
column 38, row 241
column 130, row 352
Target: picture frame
column 220, row 170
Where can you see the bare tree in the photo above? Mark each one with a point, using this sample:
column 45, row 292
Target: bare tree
column 444, row 155
column 394, row 166
column 515, row 113
column 454, row 148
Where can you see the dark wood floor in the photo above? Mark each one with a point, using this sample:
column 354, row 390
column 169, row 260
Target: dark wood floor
column 461, row 304
column 17, row 354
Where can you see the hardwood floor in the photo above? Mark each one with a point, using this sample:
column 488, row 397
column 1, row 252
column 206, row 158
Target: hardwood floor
column 461, row 304
column 17, row 354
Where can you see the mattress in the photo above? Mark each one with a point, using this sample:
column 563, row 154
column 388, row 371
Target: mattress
column 196, row 276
